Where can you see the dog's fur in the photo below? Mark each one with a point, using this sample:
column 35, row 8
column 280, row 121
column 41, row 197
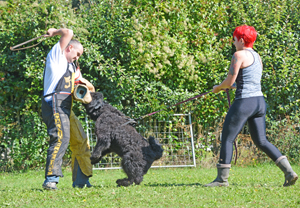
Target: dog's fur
column 113, row 136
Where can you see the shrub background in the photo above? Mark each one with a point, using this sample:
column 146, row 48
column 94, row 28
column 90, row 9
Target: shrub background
column 146, row 55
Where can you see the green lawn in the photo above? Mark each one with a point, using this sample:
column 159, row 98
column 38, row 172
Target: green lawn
column 259, row 186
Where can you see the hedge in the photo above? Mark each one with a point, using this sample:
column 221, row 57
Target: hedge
column 143, row 56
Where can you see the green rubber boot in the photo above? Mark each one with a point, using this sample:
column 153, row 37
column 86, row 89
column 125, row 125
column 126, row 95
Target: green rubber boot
column 290, row 176
column 222, row 178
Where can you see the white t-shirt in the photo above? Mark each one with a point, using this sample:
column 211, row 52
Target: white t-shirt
column 56, row 66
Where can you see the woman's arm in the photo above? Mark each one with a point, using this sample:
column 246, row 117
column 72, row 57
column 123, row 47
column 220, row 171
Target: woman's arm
column 236, row 62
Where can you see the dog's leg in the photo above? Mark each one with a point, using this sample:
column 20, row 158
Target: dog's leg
column 132, row 166
column 100, row 150
column 105, row 152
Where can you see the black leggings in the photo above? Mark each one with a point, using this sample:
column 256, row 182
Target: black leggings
column 253, row 110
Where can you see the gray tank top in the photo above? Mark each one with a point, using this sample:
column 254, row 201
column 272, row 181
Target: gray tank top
column 248, row 79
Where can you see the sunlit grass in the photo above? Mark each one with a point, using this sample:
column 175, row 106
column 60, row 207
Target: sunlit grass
column 259, row 186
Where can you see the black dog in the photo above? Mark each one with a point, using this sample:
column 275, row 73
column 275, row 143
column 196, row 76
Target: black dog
column 115, row 134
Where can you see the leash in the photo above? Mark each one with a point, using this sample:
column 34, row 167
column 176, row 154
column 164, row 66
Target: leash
column 235, row 146
column 130, row 121
column 134, row 121
column 14, row 48
column 150, row 114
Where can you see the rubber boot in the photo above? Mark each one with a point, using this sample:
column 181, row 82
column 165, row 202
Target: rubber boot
column 222, row 178
column 290, row 176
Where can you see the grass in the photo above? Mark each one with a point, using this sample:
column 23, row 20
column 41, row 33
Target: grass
column 259, row 186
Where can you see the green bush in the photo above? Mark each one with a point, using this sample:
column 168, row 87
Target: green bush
column 147, row 55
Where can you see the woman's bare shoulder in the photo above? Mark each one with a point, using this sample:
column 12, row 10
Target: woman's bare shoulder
column 240, row 53
column 243, row 54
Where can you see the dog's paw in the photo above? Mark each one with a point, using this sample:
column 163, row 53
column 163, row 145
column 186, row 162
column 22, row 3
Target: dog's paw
column 123, row 182
column 95, row 160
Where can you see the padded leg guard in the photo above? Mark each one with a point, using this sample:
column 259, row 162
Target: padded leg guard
column 79, row 145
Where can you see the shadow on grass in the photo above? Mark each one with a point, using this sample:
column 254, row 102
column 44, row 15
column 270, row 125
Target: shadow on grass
column 172, row 184
column 202, row 185
column 104, row 186
column 40, row 189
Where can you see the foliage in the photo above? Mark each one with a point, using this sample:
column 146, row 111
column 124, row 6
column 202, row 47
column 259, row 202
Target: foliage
column 285, row 135
column 147, row 55
column 26, row 143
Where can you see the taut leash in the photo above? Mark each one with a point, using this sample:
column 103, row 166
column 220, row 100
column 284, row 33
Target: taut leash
column 134, row 121
column 150, row 114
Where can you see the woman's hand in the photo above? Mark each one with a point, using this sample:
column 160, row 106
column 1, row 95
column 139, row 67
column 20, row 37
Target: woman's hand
column 216, row 89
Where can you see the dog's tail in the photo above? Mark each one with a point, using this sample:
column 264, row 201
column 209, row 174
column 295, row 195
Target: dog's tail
column 156, row 147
